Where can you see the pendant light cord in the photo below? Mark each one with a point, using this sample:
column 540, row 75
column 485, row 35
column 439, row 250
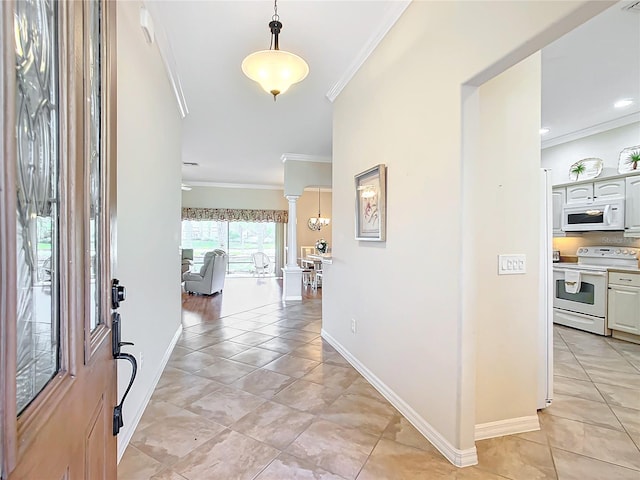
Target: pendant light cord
column 275, row 26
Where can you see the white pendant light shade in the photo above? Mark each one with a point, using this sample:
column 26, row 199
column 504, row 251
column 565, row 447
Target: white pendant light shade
column 275, row 70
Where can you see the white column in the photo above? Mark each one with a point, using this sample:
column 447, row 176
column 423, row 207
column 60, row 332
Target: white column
column 292, row 273
column 292, row 234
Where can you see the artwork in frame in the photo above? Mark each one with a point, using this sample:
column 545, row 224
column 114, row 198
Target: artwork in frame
column 371, row 204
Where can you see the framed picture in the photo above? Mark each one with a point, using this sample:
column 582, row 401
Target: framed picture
column 371, row 204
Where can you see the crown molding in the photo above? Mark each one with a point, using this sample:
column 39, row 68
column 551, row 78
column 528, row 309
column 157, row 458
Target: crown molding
column 301, row 157
column 585, row 132
column 168, row 59
column 252, row 186
column 396, row 9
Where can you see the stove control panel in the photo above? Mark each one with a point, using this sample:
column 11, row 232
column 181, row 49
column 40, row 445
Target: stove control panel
column 609, row 252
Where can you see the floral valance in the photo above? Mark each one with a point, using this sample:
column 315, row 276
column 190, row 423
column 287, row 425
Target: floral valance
column 235, row 215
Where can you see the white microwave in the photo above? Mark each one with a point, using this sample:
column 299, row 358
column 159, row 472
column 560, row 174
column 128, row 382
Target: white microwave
column 593, row 216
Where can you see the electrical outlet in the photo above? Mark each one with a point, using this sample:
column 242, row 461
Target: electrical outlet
column 354, row 325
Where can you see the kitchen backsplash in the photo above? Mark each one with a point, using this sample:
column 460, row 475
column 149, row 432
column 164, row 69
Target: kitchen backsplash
column 568, row 246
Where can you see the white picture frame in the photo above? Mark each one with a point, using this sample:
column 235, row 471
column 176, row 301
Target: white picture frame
column 371, row 204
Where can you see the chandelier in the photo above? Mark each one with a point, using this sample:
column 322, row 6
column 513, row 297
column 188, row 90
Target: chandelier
column 274, row 69
column 319, row 222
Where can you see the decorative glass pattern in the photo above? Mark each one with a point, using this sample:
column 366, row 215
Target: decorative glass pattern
column 95, row 156
column 37, row 132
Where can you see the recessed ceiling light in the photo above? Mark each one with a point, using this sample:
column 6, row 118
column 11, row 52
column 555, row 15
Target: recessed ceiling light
column 186, row 187
column 190, row 164
column 544, row 131
column 623, row 103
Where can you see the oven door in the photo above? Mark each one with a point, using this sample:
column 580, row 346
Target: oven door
column 589, row 300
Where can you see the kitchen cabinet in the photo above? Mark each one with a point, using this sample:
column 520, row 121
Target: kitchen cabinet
column 579, row 194
column 632, row 207
column 601, row 190
column 558, row 197
column 609, row 189
column 623, row 313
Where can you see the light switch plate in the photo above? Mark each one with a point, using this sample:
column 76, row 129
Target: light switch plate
column 512, row 264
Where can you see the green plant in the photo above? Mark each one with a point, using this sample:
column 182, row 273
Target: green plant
column 577, row 169
column 634, row 159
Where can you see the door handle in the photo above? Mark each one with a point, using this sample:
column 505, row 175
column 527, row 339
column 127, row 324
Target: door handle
column 116, row 344
column 118, row 422
column 607, row 215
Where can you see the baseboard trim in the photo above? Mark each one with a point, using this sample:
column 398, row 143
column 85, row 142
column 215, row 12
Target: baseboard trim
column 292, row 298
column 460, row 458
column 510, row 426
column 125, row 437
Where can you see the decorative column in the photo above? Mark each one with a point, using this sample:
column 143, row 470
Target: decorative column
column 292, row 273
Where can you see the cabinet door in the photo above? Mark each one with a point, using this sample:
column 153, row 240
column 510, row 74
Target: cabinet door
column 580, row 194
column 609, row 189
column 558, row 196
column 632, row 205
column 624, row 309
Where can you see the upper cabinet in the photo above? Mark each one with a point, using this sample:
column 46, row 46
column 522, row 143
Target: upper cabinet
column 632, row 207
column 609, row 189
column 599, row 191
column 579, row 194
column 558, row 197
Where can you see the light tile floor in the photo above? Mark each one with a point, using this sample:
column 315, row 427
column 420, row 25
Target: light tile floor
column 259, row 395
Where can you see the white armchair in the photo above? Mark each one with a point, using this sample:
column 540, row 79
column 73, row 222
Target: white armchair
column 211, row 277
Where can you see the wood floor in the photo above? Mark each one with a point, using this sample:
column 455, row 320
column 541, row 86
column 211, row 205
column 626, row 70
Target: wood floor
column 240, row 294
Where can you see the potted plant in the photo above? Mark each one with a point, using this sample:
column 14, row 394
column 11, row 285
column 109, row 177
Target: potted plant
column 634, row 159
column 322, row 245
column 577, row 169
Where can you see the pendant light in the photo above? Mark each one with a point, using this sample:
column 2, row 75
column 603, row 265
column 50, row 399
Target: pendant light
column 319, row 222
column 274, row 69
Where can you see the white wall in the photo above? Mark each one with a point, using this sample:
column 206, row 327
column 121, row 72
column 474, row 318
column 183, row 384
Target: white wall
column 301, row 174
column 501, row 211
column 223, row 197
column 148, row 226
column 606, row 145
column 403, row 109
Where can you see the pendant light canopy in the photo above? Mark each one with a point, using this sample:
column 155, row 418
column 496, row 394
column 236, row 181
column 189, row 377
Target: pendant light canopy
column 318, row 223
column 274, row 69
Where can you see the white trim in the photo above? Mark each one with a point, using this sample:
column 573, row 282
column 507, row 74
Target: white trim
column 125, row 438
column 292, row 298
column 301, row 157
column 168, row 59
column 585, row 132
column 253, row 186
column 510, row 426
column 460, row 458
column 396, row 9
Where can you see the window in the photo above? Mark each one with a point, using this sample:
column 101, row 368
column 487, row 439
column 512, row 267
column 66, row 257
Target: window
column 238, row 239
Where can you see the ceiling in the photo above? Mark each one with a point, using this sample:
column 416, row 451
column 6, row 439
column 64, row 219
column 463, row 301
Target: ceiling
column 586, row 71
column 238, row 134
column 234, row 130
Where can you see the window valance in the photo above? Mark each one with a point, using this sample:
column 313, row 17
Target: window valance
column 235, row 215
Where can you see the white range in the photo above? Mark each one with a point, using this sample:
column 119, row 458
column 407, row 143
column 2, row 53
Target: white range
column 580, row 289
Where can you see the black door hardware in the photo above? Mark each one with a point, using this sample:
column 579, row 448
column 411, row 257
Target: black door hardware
column 119, row 294
column 118, row 355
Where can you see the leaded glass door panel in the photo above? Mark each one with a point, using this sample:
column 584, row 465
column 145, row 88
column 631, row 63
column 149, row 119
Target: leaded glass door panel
column 57, row 373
